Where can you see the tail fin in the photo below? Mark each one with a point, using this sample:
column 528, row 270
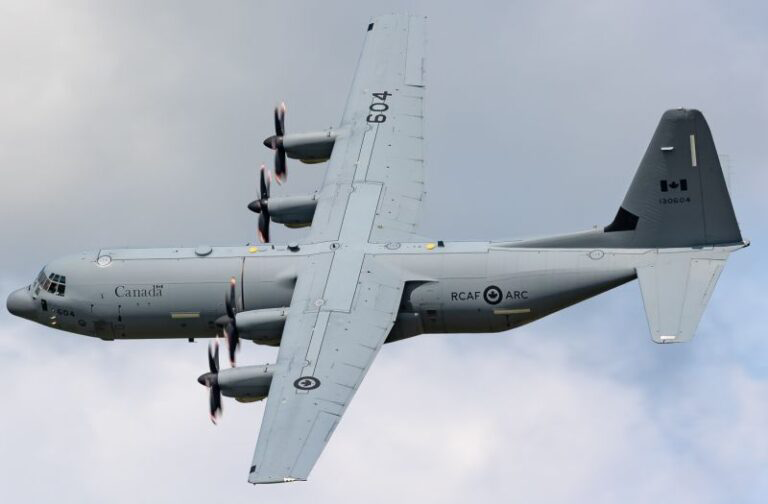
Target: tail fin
column 678, row 209
column 678, row 197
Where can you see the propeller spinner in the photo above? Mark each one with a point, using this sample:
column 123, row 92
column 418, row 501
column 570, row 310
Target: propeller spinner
column 275, row 142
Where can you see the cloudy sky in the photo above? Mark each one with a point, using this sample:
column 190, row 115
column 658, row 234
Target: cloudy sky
column 137, row 123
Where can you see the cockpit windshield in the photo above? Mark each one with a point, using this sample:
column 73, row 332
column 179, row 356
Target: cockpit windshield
column 53, row 283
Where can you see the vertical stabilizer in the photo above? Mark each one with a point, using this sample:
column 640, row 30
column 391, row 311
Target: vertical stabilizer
column 678, row 197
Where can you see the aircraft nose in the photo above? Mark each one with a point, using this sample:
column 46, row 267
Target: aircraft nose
column 21, row 304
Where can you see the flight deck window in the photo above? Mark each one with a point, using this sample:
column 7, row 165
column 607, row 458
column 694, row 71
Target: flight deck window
column 54, row 283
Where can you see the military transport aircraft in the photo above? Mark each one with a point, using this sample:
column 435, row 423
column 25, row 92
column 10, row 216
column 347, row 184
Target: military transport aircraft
column 363, row 277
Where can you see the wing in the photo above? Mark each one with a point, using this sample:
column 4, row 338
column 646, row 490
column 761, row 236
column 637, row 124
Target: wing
column 343, row 308
column 380, row 140
column 345, row 302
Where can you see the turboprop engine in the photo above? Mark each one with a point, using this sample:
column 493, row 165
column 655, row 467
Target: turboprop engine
column 314, row 147
column 291, row 211
column 245, row 384
column 264, row 327
column 309, row 148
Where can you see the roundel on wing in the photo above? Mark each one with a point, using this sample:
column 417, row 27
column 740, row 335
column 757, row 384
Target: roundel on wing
column 306, row 383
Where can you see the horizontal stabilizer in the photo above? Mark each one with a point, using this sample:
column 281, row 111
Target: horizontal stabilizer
column 676, row 288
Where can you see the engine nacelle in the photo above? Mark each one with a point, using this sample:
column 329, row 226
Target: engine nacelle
column 310, row 148
column 264, row 327
column 293, row 211
column 247, row 383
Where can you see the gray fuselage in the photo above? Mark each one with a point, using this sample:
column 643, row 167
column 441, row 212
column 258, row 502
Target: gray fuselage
column 452, row 287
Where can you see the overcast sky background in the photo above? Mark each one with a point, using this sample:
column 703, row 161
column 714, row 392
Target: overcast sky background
column 137, row 123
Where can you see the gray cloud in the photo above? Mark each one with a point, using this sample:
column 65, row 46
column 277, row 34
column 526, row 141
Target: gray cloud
column 526, row 420
column 138, row 124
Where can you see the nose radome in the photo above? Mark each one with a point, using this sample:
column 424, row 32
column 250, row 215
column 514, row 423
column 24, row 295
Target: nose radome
column 21, row 304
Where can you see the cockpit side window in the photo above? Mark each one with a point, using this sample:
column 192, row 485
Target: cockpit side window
column 39, row 281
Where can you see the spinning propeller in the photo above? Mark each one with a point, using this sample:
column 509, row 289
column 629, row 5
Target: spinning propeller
column 261, row 205
column 211, row 380
column 275, row 142
column 227, row 323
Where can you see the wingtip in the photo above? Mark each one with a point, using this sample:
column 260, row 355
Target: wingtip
column 269, row 481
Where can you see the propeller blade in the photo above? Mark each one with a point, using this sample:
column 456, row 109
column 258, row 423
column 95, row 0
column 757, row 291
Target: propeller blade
column 228, row 323
column 211, row 380
column 233, row 342
column 264, row 182
column 230, row 303
column 213, row 357
column 280, row 119
column 215, row 401
column 264, row 226
column 275, row 142
column 281, row 172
